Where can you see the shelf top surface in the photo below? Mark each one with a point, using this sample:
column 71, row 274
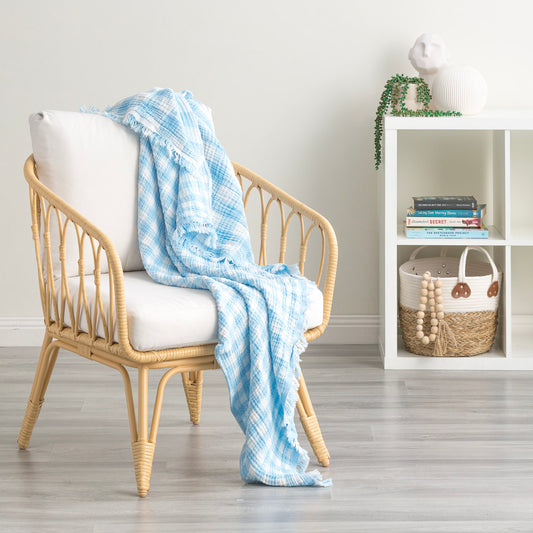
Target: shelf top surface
column 489, row 119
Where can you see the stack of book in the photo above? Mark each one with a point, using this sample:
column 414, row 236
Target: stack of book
column 445, row 217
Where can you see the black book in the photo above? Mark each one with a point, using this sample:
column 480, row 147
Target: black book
column 444, row 202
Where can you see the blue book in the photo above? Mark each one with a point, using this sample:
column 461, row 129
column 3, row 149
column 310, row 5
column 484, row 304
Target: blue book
column 459, row 213
column 447, row 233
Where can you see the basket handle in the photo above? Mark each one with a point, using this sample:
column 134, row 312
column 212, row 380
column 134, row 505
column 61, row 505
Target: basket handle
column 462, row 289
column 415, row 252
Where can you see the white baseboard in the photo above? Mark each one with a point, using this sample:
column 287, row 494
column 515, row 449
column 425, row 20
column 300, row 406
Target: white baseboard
column 523, row 321
column 21, row 331
column 342, row 329
column 350, row 329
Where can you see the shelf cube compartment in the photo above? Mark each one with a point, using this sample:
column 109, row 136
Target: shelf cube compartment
column 453, row 163
column 521, row 187
column 522, row 301
column 498, row 350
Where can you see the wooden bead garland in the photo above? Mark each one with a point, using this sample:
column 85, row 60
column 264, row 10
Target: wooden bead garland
column 431, row 294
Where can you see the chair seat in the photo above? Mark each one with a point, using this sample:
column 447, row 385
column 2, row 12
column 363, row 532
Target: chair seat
column 162, row 317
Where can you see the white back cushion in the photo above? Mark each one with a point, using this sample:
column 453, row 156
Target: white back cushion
column 92, row 163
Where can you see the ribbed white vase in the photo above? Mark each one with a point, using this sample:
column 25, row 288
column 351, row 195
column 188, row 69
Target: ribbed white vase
column 460, row 88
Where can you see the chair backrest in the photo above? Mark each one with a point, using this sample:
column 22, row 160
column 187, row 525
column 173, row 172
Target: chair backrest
column 92, row 163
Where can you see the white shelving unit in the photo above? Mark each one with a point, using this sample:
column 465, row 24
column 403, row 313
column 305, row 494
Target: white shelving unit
column 508, row 196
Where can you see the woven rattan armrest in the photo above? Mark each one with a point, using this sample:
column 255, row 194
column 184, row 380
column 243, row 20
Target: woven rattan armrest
column 270, row 194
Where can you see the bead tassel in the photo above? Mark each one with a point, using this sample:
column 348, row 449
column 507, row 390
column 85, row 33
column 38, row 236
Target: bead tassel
column 445, row 339
column 440, row 332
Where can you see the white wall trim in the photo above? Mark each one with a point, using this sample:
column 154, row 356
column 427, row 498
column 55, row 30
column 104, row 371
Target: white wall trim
column 351, row 329
column 523, row 320
column 342, row 329
column 21, row 331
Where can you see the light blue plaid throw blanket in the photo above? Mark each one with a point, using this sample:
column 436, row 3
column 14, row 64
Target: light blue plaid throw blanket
column 193, row 233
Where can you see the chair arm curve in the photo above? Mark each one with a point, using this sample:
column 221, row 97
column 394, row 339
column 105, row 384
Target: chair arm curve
column 43, row 201
column 299, row 209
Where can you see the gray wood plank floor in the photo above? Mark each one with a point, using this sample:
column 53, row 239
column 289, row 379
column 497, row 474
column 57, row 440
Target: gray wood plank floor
column 411, row 451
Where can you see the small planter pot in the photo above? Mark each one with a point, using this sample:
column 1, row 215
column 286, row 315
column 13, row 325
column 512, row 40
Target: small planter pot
column 410, row 101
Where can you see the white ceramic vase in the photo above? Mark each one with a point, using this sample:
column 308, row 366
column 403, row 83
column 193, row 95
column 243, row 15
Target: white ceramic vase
column 460, row 88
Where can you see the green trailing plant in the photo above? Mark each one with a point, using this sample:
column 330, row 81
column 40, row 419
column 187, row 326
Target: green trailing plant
column 393, row 101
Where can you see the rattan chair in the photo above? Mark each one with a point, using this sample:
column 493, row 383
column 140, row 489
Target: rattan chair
column 94, row 323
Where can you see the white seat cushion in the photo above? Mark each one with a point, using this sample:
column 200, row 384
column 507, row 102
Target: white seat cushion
column 161, row 317
column 92, row 163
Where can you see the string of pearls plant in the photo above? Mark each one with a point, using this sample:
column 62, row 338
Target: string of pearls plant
column 430, row 294
column 393, row 101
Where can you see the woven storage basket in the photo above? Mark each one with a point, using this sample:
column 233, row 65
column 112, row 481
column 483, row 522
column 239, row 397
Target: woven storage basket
column 470, row 296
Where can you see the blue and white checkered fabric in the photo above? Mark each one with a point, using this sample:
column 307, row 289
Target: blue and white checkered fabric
column 193, row 233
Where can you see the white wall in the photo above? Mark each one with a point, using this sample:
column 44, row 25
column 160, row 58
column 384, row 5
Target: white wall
column 294, row 87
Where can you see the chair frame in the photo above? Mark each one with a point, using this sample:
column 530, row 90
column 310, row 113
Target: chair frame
column 48, row 208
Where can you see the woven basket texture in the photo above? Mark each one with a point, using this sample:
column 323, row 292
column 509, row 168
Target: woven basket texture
column 474, row 332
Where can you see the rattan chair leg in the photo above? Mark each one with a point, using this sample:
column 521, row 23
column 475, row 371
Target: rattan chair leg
column 43, row 372
column 310, row 424
column 143, row 456
column 192, row 385
column 143, row 449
